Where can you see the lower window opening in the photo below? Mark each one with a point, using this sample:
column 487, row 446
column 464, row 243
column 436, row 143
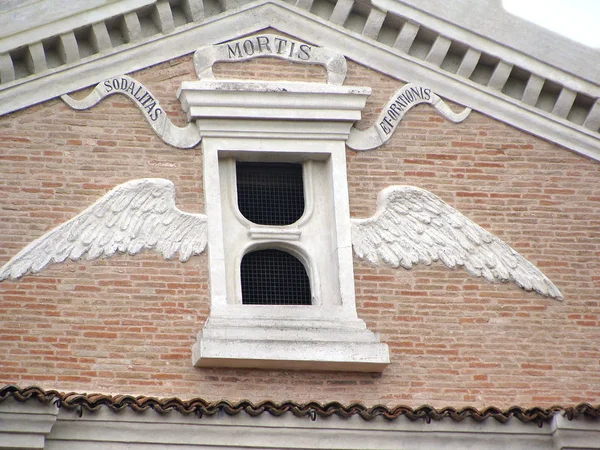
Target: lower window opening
column 274, row 277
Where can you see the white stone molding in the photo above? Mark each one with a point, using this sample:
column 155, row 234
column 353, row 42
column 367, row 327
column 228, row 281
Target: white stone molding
column 25, row 425
column 274, row 46
column 468, row 63
column 390, row 54
column 500, row 75
column 99, row 37
column 341, row 11
column 132, row 30
column 35, row 21
column 532, row 89
column 135, row 216
column 7, row 70
column 251, row 121
column 583, row 433
column 163, row 17
column 193, row 9
column 374, row 23
column 564, row 102
column 186, row 137
column 413, row 226
column 36, row 58
column 438, row 51
column 406, row 37
column 216, row 101
column 68, row 50
column 476, row 21
column 392, row 113
column 304, row 4
column 593, row 119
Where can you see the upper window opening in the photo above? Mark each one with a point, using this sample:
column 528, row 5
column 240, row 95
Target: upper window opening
column 270, row 193
column 274, row 277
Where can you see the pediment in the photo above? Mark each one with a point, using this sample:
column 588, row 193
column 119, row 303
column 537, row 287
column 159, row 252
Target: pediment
column 493, row 78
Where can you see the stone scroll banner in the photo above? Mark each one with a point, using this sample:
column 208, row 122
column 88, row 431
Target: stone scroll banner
column 186, row 137
column 404, row 99
column 274, row 46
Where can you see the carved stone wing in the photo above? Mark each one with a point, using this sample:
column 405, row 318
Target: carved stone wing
column 413, row 226
column 134, row 216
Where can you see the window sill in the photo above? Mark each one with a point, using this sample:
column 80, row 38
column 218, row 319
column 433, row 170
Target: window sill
column 284, row 343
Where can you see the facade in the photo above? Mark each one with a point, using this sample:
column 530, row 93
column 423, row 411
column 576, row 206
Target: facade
column 129, row 257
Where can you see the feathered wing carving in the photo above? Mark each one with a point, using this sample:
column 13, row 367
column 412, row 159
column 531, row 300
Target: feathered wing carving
column 134, row 216
column 413, row 226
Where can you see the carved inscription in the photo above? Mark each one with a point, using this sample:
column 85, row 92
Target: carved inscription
column 268, row 45
column 186, row 137
column 137, row 92
column 398, row 106
column 392, row 113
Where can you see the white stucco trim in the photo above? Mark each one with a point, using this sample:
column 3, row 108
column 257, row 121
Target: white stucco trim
column 38, row 20
column 129, row 430
column 489, row 20
column 392, row 60
column 25, row 425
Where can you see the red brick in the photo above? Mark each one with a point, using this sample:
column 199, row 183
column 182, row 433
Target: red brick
column 126, row 324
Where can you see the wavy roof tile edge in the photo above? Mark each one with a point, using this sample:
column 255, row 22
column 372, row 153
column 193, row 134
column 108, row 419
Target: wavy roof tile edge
column 200, row 407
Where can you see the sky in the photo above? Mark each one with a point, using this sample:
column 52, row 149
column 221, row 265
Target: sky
column 576, row 19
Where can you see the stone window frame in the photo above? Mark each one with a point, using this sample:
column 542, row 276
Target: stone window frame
column 282, row 238
column 276, row 121
column 265, row 236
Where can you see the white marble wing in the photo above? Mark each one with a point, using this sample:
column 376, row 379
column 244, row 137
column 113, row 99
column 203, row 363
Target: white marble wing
column 134, row 216
column 413, row 226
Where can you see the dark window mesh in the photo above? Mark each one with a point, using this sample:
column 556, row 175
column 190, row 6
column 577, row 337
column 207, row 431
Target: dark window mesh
column 274, row 277
column 270, row 193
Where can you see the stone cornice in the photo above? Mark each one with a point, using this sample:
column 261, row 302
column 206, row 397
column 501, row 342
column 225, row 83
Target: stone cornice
column 36, row 21
column 489, row 19
column 25, row 425
column 94, row 402
column 83, row 421
column 393, row 38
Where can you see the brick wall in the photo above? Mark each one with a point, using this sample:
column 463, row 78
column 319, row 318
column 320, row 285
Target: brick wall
column 125, row 325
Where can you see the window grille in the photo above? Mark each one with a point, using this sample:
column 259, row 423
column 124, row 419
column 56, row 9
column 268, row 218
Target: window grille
column 270, row 193
column 274, row 277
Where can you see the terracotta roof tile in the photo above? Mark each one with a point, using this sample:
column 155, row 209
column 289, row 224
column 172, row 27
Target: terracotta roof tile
column 200, row 407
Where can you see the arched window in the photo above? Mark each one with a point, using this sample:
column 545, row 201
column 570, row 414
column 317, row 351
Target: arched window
column 270, row 193
column 274, row 277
